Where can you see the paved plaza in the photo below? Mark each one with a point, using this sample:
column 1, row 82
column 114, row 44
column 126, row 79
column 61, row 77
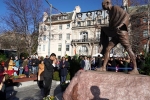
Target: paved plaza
column 32, row 92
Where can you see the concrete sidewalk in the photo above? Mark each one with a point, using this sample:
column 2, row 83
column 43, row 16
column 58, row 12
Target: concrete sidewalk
column 30, row 91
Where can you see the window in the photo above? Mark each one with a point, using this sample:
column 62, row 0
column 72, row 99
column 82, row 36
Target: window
column 83, row 50
column 39, row 47
column 59, row 57
column 44, row 37
column 60, row 27
column 59, row 47
column 68, row 26
column 44, row 28
column 88, row 23
column 68, row 36
column 40, row 39
column 43, row 47
column 60, row 36
column 67, row 47
column 144, row 20
column 41, row 28
column 99, row 21
column 60, row 18
column 145, row 33
column 52, row 36
column 65, row 17
column 98, row 35
column 79, row 23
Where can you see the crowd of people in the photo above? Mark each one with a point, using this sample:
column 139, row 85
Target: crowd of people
column 114, row 64
column 43, row 68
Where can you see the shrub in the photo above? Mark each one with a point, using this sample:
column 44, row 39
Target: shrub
column 3, row 58
column 146, row 66
column 57, row 78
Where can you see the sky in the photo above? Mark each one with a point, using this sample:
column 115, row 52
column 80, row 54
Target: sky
column 65, row 5
column 69, row 5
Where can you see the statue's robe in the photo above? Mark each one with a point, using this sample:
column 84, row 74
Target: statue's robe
column 117, row 16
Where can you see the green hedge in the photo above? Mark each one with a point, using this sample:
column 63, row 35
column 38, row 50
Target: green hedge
column 146, row 66
column 2, row 58
column 57, row 78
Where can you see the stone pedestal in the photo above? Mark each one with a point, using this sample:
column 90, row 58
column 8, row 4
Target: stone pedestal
column 92, row 85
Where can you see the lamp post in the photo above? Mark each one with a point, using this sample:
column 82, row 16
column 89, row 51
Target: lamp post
column 49, row 36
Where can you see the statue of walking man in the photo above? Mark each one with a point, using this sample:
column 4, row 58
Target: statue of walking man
column 118, row 23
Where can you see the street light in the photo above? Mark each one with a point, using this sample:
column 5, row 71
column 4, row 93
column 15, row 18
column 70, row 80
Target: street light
column 49, row 27
column 50, row 24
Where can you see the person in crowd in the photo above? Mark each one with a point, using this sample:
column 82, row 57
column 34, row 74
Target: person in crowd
column 40, row 74
column 10, row 64
column 121, row 65
column 39, row 60
column 46, row 58
column 48, row 73
column 82, row 63
column 87, row 64
column 58, row 62
column 30, row 66
column 25, row 67
column 16, row 67
column 99, row 61
column 2, row 82
column 111, row 64
column 67, row 60
column 93, row 63
column 21, row 66
column 34, row 65
column 139, row 61
column 127, row 61
column 63, row 69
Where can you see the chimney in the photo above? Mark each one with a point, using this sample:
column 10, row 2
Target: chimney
column 126, row 3
column 77, row 9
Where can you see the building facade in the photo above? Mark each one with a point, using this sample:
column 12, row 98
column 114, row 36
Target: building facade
column 61, row 34
column 72, row 33
column 85, row 37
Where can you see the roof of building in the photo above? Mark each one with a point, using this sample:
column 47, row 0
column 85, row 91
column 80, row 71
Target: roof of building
column 64, row 16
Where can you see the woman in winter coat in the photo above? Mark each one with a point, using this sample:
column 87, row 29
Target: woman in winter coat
column 40, row 73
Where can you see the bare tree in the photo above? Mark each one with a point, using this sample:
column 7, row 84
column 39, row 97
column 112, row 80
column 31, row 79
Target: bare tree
column 23, row 17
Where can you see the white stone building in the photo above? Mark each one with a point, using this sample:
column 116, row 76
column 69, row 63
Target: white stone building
column 72, row 33
column 85, row 36
column 61, row 34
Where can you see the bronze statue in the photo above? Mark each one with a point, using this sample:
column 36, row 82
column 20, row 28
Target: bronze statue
column 118, row 23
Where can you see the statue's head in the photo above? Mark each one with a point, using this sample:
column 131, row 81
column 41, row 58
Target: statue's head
column 106, row 4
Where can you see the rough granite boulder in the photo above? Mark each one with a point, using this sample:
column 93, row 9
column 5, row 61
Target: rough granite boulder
column 92, row 85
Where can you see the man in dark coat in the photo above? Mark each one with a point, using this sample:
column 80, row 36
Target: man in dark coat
column 48, row 73
column 63, row 69
column 118, row 23
column 99, row 61
column 82, row 63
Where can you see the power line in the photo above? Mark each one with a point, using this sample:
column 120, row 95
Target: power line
column 53, row 7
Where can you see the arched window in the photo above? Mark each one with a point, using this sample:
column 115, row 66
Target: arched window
column 83, row 50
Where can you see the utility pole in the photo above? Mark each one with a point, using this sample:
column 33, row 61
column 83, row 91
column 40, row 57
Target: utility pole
column 50, row 20
column 49, row 35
